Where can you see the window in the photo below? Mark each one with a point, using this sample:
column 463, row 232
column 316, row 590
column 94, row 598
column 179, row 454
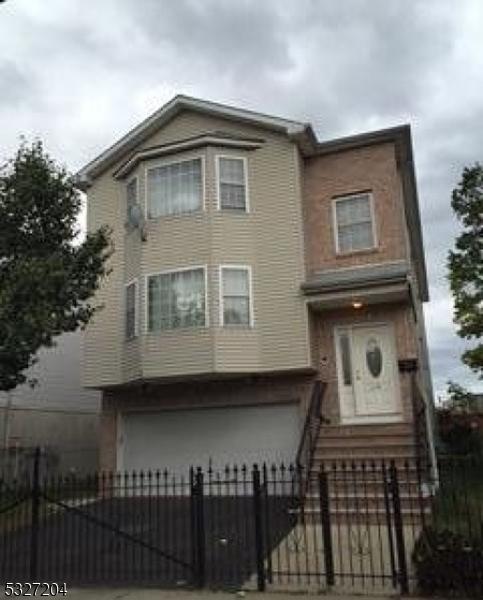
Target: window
column 235, row 300
column 131, row 195
column 175, row 188
column 232, row 188
column 354, row 223
column 345, row 352
column 131, row 310
column 177, row 299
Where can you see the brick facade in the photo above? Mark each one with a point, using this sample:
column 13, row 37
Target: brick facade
column 399, row 315
column 371, row 168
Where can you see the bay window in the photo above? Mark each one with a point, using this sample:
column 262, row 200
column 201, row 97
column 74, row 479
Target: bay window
column 232, row 188
column 131, row 195
column 175, row 188
column 131, row 306
column 177, row 299
column 235, row 296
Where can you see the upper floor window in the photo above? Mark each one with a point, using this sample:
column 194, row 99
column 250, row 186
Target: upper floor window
column 131, row 195
column 235, row 296
column 177, row 299
column 131, row 320
column 232, row 183
column 354, row 223
column 175, row 188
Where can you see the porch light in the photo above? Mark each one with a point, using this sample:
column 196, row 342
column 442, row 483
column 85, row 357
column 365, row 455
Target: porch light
column 356, row 304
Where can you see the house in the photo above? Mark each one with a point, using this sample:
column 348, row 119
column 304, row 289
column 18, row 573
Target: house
column 57, row 414
column 252, row 261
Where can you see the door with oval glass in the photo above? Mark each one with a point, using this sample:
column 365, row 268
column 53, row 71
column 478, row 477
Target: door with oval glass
column 367, row 373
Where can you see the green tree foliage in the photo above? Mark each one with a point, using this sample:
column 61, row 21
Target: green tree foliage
column 460, row 399
column 46, row 279
column 465, row 263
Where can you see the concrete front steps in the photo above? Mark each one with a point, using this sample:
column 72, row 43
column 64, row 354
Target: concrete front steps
column 353, row 457
column 366, row 444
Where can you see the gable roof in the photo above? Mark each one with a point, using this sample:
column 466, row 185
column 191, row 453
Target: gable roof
column 301, row 133
column 172, row 108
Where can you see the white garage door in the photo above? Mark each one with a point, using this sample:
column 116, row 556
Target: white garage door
column 220, row 436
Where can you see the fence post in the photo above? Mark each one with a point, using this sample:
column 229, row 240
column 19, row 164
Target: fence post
column 387, row 508
column 257, row 510
column 326, row 527
column 269, row 572
column 398, row 524
column 198, row 522
column 35, row 515
column 193, row 520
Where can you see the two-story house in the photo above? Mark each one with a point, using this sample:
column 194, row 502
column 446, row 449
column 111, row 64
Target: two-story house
column 252, row 259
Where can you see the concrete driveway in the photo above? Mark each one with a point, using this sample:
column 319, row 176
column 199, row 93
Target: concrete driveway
column 144, row 541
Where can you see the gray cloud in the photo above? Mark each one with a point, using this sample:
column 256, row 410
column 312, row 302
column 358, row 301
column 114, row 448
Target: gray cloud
column 242, row 39
column 16, row 86
column 80, row 74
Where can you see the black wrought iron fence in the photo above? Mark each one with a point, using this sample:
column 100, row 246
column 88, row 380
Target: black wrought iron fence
column 355, row 525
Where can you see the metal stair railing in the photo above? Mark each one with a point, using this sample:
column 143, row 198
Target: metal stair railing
column 310, row 434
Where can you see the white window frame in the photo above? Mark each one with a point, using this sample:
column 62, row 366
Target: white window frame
column 134, row 282
column 218, row 190
column 336, row 227
column 167, row 272
column 127, row 184
column 138, row 200
column 173, row 161
column 248, row 268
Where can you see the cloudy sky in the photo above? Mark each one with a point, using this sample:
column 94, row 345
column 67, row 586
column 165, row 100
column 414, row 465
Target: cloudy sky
column 79, row 74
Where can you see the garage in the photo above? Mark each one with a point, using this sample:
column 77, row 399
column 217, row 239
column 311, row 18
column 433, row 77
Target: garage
column 176, row 439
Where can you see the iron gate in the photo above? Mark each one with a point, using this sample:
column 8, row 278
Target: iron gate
column 349, row 525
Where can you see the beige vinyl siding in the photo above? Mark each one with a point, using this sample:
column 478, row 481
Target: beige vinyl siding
column 237, row 348
column 175, row 242
column 131, row 351
column 131, row 360
column 104, row 336
column 178, row 352
column 268, row 239
column 132, row 238
column 280, row 263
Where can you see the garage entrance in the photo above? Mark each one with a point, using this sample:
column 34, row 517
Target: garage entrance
column 208, row 437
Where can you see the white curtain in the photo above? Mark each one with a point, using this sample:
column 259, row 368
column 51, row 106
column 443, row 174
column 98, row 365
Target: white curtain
column 175, row 188
column 176, row 300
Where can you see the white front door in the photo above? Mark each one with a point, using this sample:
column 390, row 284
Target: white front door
column 367, row 374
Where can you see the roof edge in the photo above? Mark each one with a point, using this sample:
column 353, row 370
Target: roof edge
column 167, row 112
column 351, row 142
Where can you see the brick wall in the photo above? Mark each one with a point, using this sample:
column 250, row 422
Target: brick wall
column 371, row 168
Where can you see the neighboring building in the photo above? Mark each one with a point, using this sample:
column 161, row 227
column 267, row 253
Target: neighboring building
column 251, row 260
column 57, row 414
